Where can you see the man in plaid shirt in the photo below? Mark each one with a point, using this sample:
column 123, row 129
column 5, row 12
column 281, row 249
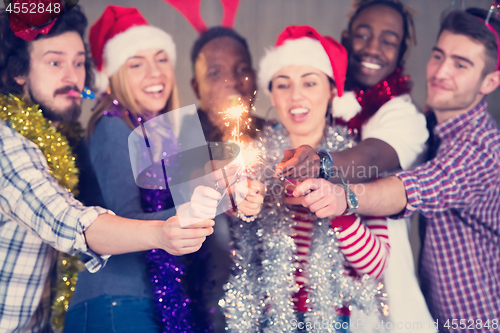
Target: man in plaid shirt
column 458, row 191
column 37, row 215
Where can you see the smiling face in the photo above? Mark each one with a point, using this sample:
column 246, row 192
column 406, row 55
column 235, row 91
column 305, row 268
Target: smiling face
column 301, row 95
column 57, row 66
column 455, row 74
column 375, row 40
column 150, row 78
column 223, row 70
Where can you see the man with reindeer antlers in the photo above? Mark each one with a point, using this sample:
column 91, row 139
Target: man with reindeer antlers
column 223, row 74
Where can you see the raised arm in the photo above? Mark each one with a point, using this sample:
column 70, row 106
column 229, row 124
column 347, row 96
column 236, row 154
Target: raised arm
column 451, row 181
column 30, row 196
column 393, row 138
column 383, row 197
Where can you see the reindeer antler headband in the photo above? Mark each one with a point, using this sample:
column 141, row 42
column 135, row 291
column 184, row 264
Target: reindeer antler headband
column 190, row 9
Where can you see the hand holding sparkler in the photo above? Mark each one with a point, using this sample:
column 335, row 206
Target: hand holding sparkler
column 221, row 174
column 203, row 206
column 252, row 193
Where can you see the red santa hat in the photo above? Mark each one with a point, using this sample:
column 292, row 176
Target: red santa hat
column 304, row 46
column 119, row 34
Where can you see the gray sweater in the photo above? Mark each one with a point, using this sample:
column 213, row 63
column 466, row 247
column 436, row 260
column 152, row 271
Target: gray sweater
column 127, row 274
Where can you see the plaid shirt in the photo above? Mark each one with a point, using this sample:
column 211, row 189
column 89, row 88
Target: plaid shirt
column 36, row 216
column 459, row 193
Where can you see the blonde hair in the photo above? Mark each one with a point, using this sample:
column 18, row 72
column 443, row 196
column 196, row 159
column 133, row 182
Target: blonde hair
column 120, row 91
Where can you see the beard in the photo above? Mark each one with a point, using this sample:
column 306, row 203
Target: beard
column 68, row 115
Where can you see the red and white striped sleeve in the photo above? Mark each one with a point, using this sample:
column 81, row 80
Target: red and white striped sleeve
column 364, row 243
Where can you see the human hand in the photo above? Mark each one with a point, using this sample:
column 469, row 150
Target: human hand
column 301, row 163
column 322, row 197
column 178, row 240
column 219, row 174
column 203, row 205
column 252, row 194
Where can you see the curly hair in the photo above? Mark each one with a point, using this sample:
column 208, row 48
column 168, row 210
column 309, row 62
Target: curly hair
column 409, row 35
column 15, row 52
column 212, row 34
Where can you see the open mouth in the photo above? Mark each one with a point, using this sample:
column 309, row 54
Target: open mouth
column 154, row 89
column 299, row 114
column 370, row 65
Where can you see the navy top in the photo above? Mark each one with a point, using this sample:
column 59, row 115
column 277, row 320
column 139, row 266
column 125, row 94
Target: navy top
column 127, row 274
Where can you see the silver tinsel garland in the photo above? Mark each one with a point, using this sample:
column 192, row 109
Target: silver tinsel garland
column 259, row 295
column 278, row 272
column 242, row 303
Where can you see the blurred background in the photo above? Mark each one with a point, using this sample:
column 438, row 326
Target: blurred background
column 260, row 22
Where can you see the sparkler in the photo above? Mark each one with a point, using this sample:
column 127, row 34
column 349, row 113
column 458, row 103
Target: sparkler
column 235, row 112
column 238, row 113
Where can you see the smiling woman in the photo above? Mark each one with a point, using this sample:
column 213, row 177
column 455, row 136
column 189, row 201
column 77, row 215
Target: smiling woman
column 149, row 75
column 139, row 61
column 301, row 96
column 302, row 265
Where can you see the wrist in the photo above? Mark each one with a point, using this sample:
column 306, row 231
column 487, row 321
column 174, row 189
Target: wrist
column 154, row 234
column 325, row 165
column 351, row 200
column 247, row 218
column 345, row 206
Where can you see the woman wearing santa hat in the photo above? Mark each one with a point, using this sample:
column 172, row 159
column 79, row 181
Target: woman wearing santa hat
column 139, row 61
column 295, row 268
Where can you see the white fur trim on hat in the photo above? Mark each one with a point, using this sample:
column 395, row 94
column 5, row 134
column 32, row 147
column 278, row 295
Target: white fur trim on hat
column 126, row 44
column 346, row 107
column 303, row 51
column 101, row 82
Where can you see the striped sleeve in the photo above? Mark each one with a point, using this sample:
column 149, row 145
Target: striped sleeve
column 364, row 243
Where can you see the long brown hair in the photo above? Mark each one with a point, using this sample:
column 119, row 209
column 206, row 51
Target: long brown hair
column 120, row 91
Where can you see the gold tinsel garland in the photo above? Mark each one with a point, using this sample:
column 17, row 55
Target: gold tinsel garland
column 28, row 120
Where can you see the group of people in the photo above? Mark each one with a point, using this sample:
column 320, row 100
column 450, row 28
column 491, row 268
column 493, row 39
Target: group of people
column 330, row 248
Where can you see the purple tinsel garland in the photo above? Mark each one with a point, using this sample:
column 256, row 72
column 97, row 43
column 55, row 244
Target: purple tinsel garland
column 166, row 271
column 167, row 274
column 173, row 304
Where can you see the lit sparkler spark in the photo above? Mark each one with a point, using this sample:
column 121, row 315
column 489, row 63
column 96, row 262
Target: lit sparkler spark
column 236, row 113
column 251, row 155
